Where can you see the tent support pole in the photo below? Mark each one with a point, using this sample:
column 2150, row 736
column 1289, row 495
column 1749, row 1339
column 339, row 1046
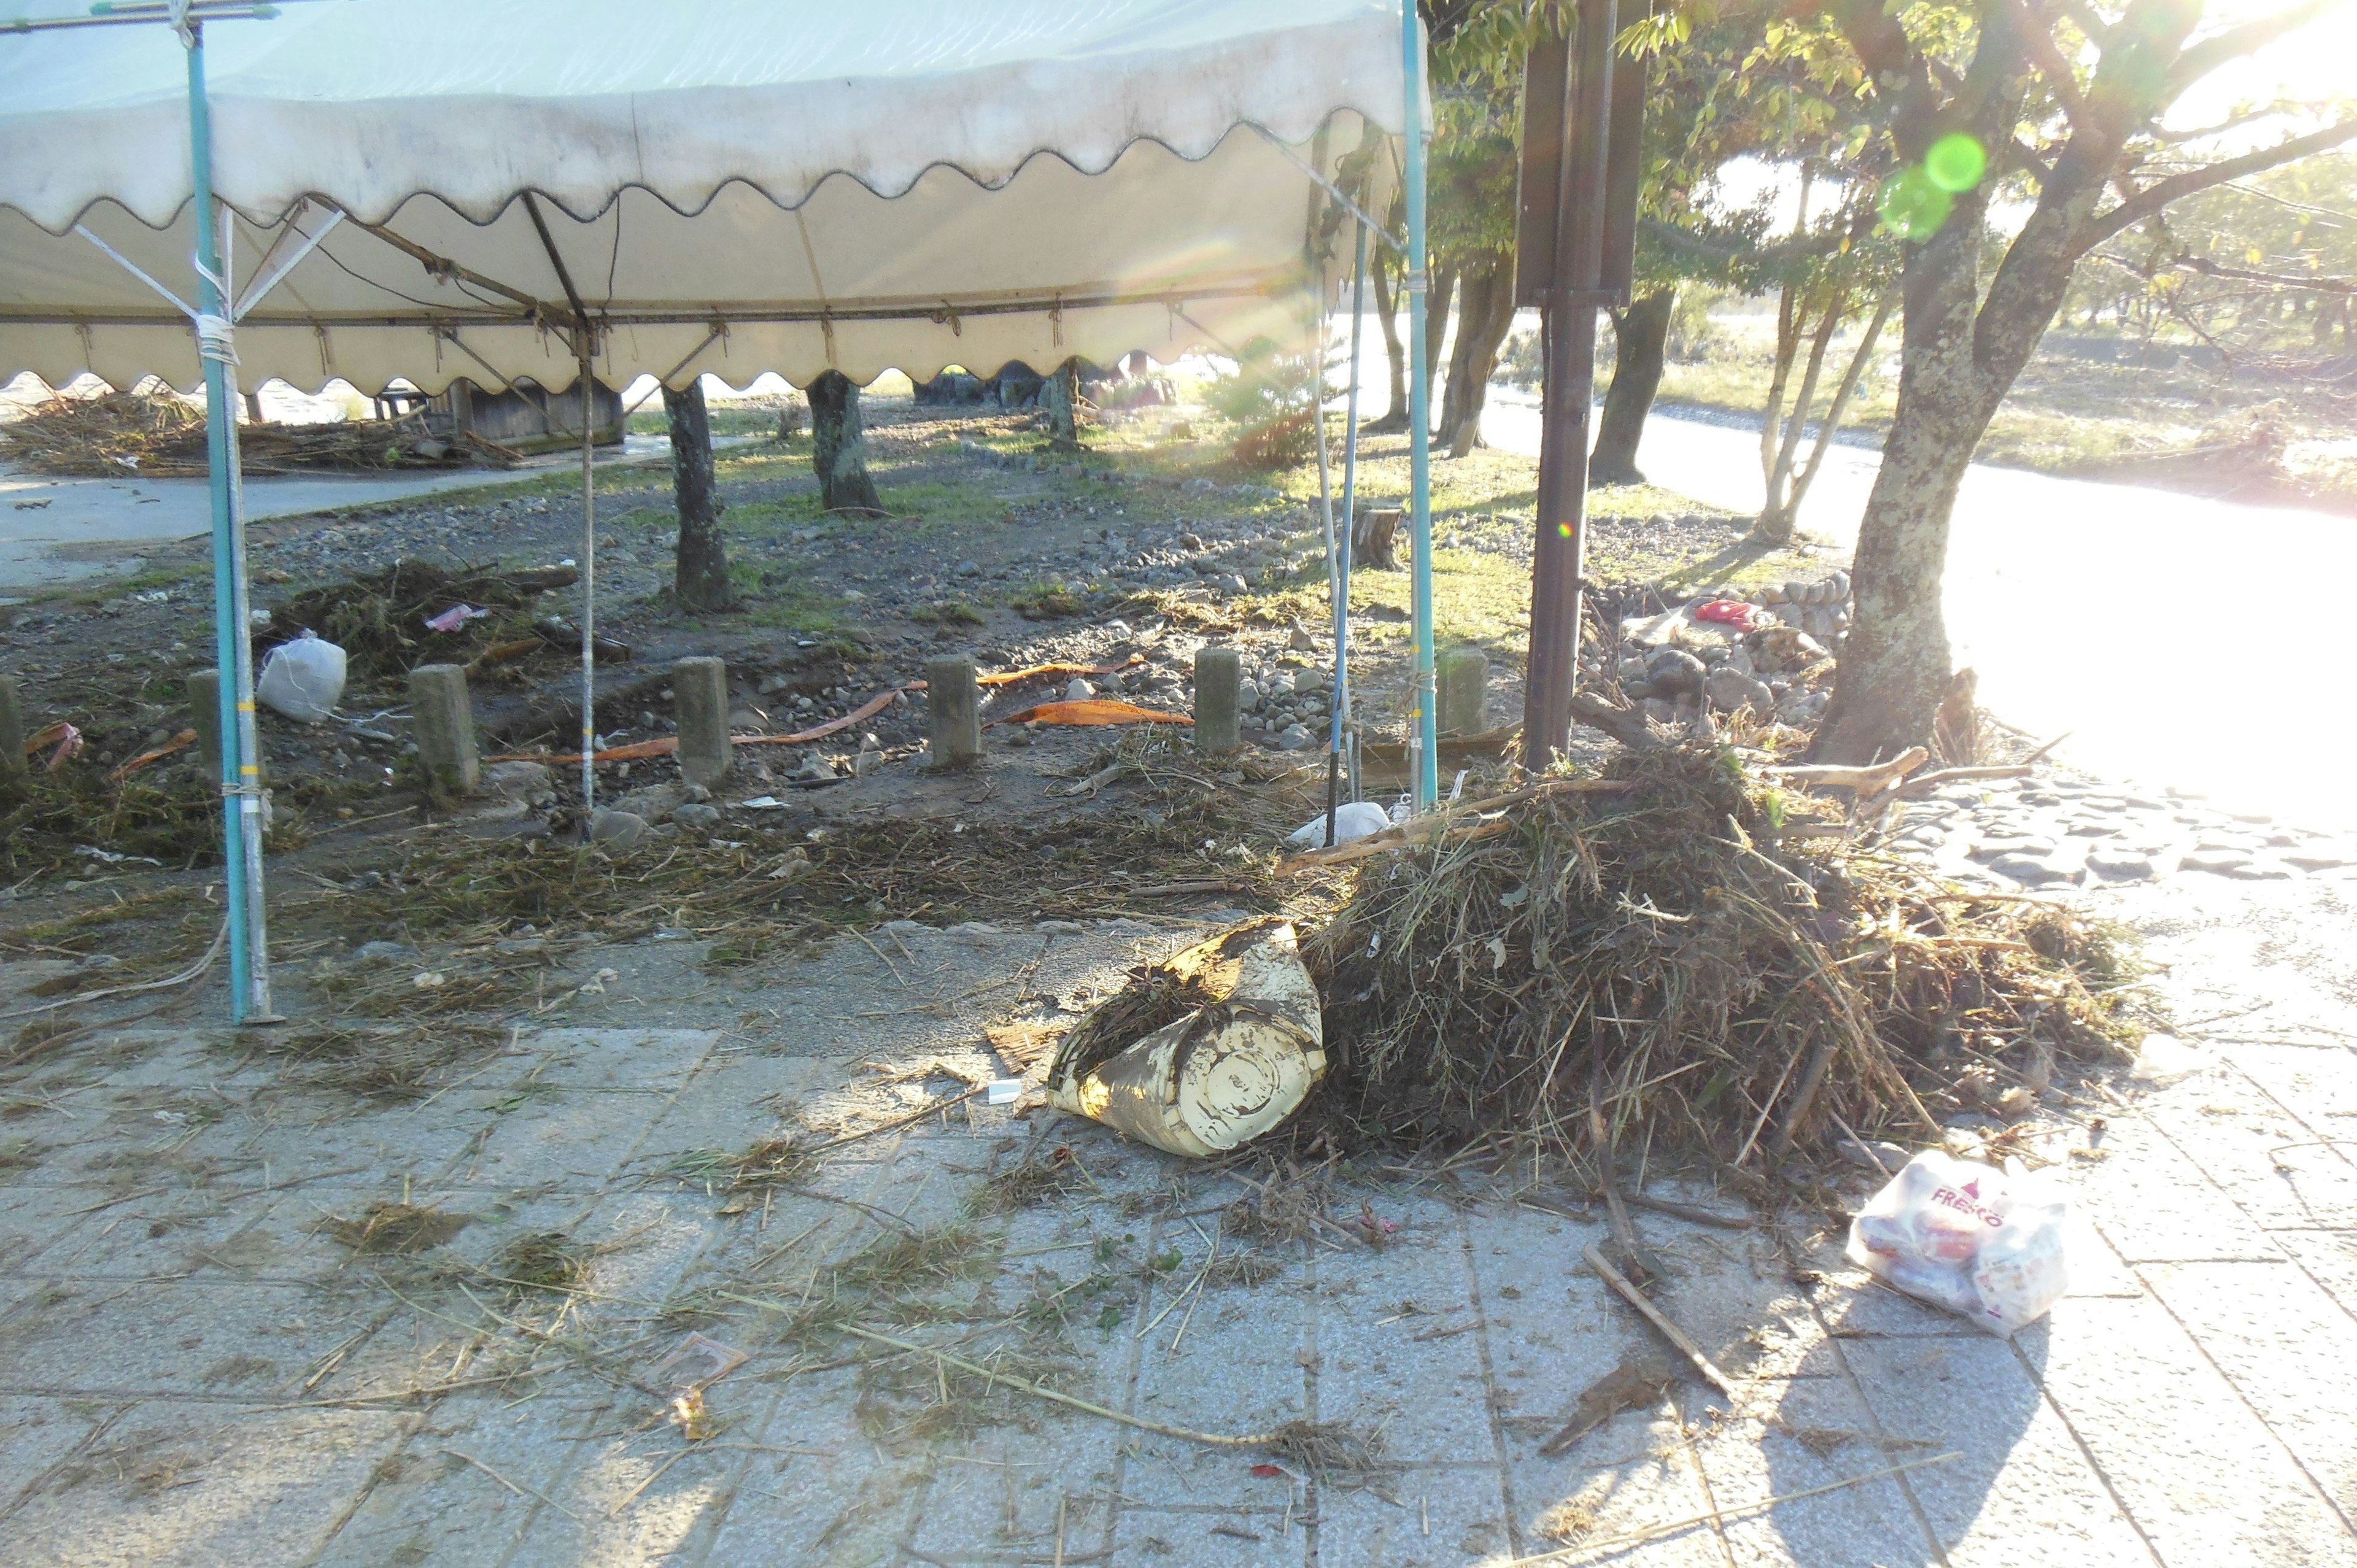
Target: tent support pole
column 1343, row 735
column 589, row 593
column 241, row 765
column 1333, row 552
column 1423, row 749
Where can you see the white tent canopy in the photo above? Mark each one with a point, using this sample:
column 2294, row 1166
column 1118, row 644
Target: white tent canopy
column 728, row 186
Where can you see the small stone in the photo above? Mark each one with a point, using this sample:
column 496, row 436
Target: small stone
column 522, row 781
column 2034, row 869
column 620, row 829
column 696, row 818
column 865, row 763
column 1079, row 691
column 1841, row 586
column 1301, row 641
column 1675, row 671
column 816, row 768
column 969, row 568
column 1293, row 738
column 2120, row 866
column 1731, row 691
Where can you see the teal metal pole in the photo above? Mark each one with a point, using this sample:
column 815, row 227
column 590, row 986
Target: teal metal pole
column 1423, row 751
column 239, row 768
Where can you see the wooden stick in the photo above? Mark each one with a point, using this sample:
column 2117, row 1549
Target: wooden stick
column 1654, row 1314
column 1866, row 781
column 1655, row 1532
column 1023, row 1385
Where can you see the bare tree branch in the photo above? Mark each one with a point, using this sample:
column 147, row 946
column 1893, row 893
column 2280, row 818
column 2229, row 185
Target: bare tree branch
column 2160, row 193
column 2313, row 284
column 1800, row 249
column 2200, row 59
column 2037, row 34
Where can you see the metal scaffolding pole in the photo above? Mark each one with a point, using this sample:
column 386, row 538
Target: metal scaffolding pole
column 249, row 974
column 1423, row 748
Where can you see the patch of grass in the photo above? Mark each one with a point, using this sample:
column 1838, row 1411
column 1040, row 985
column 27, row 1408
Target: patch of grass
column 1030, row 1182
column 396, row 1228
column 947, row 613
column 389, row 1066
column 542, row 1261
column 1048, row 601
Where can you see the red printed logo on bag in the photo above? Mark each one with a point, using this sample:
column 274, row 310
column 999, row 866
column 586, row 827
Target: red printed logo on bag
column 1968, row 1202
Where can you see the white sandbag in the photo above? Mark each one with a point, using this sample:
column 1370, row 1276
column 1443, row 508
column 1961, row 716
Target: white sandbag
column 303, row 678
column 1353, row 820
column 1984, row 1243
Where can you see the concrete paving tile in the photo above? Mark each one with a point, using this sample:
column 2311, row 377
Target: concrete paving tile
column 841, row 1497
column 1414, row 1519
column 165, row 1339
column 616, row 1058
column 2330, row 1258
column 1798, row 1434
column 186, row 1231
column 349, row 1143
column 37, row 1434
column 1551, row 1327
column 1630, row 1475
column 2153, row 1207
column 997, row 1492
column 200, row 1484
column 2265, row 1160
column 1416, row 1377
column 2195, row 1469
column 1203, row 1538
column 35, row 1218
column 431, row 1501
column 2021, row 1491
column 2283, row 1342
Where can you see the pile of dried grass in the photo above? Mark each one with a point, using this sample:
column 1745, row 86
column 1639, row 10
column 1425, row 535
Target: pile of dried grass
column 379, row 620
column 160, row 435
column 1596, row 968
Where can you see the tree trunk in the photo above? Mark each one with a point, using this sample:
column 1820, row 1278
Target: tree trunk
column 1485, row 314
column 1839, row 406
column 1060, row 393
column 700, row 577
column 1782, row 506
column 839, row 447
column 1641, row 336
column 1395, row 419
column 1894, row 670
column 1436, row 324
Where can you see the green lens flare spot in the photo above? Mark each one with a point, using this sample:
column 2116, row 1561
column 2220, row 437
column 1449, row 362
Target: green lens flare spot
column 1912, row 207
column 1563, row 528
column 1955, row 163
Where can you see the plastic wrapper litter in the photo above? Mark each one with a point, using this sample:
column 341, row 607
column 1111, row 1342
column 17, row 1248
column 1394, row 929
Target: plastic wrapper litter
column 303, row 678
column 1985, row 1244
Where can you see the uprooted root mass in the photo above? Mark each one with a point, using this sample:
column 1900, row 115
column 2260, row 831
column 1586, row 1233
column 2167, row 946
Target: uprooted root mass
column 1591, row 966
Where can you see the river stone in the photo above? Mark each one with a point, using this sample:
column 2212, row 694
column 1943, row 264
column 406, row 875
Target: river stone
column 620, row 829
column 1674, row 670
column 697, row 816
column 2120, row 865
column 1731, row 691
column 1293, row 738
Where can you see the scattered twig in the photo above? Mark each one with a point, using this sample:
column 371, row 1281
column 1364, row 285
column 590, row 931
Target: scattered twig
column 1655, row 1316
column 511, row 1486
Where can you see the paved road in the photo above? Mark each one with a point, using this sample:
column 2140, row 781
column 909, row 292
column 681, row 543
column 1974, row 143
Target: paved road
column 2180, row 640
column 63, row 531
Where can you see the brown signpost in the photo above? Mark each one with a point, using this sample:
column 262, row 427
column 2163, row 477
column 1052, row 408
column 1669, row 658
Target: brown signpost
column 1582, row 128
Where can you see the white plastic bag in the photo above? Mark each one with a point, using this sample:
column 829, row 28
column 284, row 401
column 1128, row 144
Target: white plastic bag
column 1984, row 1243
column 1352, row 819
column 303, row 678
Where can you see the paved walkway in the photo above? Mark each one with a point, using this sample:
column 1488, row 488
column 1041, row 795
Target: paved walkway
column 194, row 1368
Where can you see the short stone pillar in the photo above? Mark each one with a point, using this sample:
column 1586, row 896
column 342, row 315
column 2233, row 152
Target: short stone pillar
column 12, row 729
column 953, row 702
column 699, row 690
column 1219, row 677
column 1463, row 678
column 442, row 721
column 204, row 717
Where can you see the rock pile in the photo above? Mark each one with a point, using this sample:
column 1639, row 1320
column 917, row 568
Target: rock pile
column 1821, row 608
column 1288, row 702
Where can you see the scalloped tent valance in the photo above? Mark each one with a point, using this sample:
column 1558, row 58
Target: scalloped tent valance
column 722, row 186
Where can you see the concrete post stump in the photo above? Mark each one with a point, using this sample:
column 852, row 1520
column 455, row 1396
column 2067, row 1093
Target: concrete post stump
column 204, row 717
column 1463, row 677
column 1218, row 679
column 12, row 729
column 442, row 721
column 699, row 689
column 955, row 706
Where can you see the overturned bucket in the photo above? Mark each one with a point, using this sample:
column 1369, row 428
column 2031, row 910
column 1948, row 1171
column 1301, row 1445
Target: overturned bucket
column 1243, row 1052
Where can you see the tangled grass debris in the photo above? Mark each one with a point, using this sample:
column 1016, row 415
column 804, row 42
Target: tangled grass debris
column 1667, row 964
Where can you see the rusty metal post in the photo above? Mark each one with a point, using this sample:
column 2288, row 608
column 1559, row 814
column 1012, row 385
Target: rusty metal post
column 1571, row 154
